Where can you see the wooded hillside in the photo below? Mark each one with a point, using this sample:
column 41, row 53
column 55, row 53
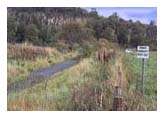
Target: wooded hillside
column 49, row 26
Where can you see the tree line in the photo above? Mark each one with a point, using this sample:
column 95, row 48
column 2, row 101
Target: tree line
column 47, row 26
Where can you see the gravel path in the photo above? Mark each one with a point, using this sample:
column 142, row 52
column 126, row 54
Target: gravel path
column 40, row 75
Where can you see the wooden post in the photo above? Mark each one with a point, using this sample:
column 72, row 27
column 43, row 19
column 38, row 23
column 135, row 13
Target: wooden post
column 118, row 101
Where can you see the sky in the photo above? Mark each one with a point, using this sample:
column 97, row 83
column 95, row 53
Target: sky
column 143, row 14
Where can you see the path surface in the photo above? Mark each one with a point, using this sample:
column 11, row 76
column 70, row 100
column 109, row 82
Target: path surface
column 40, row 75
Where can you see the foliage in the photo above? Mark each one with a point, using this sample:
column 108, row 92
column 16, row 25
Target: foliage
column 47, row 26
column 75, row 33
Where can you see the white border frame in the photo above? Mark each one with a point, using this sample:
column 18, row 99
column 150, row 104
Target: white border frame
column 80, row 3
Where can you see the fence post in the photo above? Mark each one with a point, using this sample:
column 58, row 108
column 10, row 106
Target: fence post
column 118, row 101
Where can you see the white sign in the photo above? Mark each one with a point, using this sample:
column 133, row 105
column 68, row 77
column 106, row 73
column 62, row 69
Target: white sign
column 143, row 52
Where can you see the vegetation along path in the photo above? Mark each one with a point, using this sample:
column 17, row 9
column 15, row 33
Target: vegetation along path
column 40, row 75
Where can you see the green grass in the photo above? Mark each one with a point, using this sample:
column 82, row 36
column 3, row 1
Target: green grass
column 56, row 96
column 150, row 83
column 19, row 69
column 80, row 87
column 77, row 88
column 35, row 98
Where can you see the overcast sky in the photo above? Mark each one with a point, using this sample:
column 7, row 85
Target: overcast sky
column 143, row 14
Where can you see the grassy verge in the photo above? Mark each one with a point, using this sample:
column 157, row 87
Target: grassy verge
column 55, row 97
column 90, row 86
column 19, row 68
column 86, row 86
column 150, row 83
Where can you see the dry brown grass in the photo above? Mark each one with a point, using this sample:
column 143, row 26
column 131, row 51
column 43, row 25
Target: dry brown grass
column 20, row 51
column 89, row 85
column 97, row 91
column 14, row 72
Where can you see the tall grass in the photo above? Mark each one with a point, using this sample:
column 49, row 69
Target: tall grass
column 90, row 85
column 83, row 87
column 134, row 99
column 20, row 51
column 23, row 59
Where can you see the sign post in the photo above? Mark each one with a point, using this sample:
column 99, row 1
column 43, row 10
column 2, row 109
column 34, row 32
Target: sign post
column 143, row 53
column 143, row 70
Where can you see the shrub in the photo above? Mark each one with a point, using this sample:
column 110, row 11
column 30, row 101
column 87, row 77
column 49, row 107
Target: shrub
column 75, row 33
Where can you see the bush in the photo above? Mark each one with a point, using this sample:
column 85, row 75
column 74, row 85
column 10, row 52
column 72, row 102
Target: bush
column 75, row 33
column 32, row 34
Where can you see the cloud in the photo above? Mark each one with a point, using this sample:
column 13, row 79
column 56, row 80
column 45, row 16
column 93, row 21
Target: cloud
column 143, row 14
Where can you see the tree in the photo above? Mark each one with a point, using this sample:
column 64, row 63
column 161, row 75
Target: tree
column 31, row 34
column 93, row 12
column 20, row 34
column 138, row 34
column 43, row 26
column 123, row 33
column 151, row 31
column 114, row 20
column 11, row 29
column 74, row 32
